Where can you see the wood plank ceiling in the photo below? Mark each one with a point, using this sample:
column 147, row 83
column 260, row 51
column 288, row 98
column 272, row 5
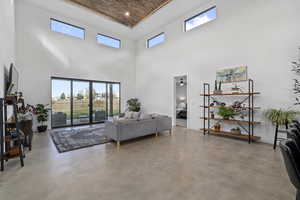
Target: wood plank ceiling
column 127, row 12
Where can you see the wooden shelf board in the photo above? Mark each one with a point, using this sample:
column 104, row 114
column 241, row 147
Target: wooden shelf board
column 229, row 134
column 255, row 108
column 9, row 139
column 231, row 120
column 231, row 93
column 7, row 156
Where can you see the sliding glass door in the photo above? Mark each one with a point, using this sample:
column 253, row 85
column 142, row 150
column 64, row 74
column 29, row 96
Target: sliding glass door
column 99, row 102
column 114, row 99
column 61, row 102
column 80, row 102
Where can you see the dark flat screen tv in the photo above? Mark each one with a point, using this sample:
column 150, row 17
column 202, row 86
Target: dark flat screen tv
column 12, row 80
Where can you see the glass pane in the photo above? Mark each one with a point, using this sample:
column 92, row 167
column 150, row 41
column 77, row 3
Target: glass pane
column 61, row 103
column 108, row 41
column 201, row 19
column 156, row 40
column 116, row 99
column 67, row 29
column 81, row 95
column 113, row 99
column 99, row 102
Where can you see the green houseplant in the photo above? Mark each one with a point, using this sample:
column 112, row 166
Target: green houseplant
column 226, row 112
column 134, row 105
column 281, row 117
column 42, row 116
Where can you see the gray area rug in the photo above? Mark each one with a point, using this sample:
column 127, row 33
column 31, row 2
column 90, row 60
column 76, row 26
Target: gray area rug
column 76, row 138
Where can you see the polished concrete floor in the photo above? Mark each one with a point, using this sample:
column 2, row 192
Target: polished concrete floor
column 184, row 166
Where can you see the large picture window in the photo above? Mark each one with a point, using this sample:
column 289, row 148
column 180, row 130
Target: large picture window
column 78, row 102
column 200, row 19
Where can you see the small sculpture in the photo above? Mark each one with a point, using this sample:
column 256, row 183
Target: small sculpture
column 218, row 90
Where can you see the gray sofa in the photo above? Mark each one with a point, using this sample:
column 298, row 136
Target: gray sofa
column 123, row 130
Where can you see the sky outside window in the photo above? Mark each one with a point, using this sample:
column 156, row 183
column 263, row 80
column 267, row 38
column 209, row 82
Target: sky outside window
column 108, row 41
column 201, row 19
column 156, row 40
column 67, row 29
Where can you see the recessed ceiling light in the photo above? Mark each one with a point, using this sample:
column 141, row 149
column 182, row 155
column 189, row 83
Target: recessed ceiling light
column 127, row 14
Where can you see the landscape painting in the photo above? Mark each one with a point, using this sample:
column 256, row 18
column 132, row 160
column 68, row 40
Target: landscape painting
column 230, row 75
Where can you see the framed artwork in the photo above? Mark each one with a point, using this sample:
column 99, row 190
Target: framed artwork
column 231, row 75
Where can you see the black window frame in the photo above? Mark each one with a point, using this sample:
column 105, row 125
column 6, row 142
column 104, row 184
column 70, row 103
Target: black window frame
column 120, row 41
column 162, row 33
column 91, row 122
column 197, row 16
column 84, row 30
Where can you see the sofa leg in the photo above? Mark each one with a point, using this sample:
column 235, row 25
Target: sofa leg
column 118, row 144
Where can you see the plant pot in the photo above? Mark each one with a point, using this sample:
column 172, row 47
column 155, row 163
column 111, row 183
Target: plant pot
column 42, row 128
column 237, row 132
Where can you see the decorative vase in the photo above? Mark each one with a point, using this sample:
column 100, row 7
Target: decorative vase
column 217, row 127
column 212, row 115
column 42, row 128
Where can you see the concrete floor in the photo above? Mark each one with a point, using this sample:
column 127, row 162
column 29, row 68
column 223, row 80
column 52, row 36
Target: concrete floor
column 181, row 122
column 186, row 165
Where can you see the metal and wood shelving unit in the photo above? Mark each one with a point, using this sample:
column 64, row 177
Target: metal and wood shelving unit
column 247, row 125
column 11, row 139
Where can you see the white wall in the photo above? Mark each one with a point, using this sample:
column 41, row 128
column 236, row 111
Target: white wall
column 41, row 53
column 264, row 35
column 7, row 38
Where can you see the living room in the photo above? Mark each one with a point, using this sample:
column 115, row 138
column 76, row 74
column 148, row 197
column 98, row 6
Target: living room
column 155, row 44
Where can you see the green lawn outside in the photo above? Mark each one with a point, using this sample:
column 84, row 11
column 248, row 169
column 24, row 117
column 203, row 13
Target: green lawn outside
column 80, row 107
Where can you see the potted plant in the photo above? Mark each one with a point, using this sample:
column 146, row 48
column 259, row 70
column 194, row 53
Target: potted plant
column 236, row 130
column 134, row 105
column 281, row 117
column 42, row 116
column 226, row 112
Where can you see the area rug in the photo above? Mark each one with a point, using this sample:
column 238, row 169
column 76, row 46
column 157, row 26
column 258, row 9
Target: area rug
column 77, row 138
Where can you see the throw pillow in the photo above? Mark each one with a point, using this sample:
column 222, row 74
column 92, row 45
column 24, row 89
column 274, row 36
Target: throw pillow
column 136, row 115
column 128, row 115
column 145, row 116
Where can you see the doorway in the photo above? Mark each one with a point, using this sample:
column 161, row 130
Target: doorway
column 181, row 101
column 82, row 102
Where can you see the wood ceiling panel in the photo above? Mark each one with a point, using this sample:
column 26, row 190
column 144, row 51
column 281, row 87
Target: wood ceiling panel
column 116, row 9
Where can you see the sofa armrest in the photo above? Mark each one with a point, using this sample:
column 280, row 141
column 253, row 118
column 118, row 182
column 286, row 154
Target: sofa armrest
column 112, row 130
column 164, row 123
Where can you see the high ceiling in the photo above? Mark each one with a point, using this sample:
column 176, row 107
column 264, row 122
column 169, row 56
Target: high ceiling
column 165, row 15
column 127, row 12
